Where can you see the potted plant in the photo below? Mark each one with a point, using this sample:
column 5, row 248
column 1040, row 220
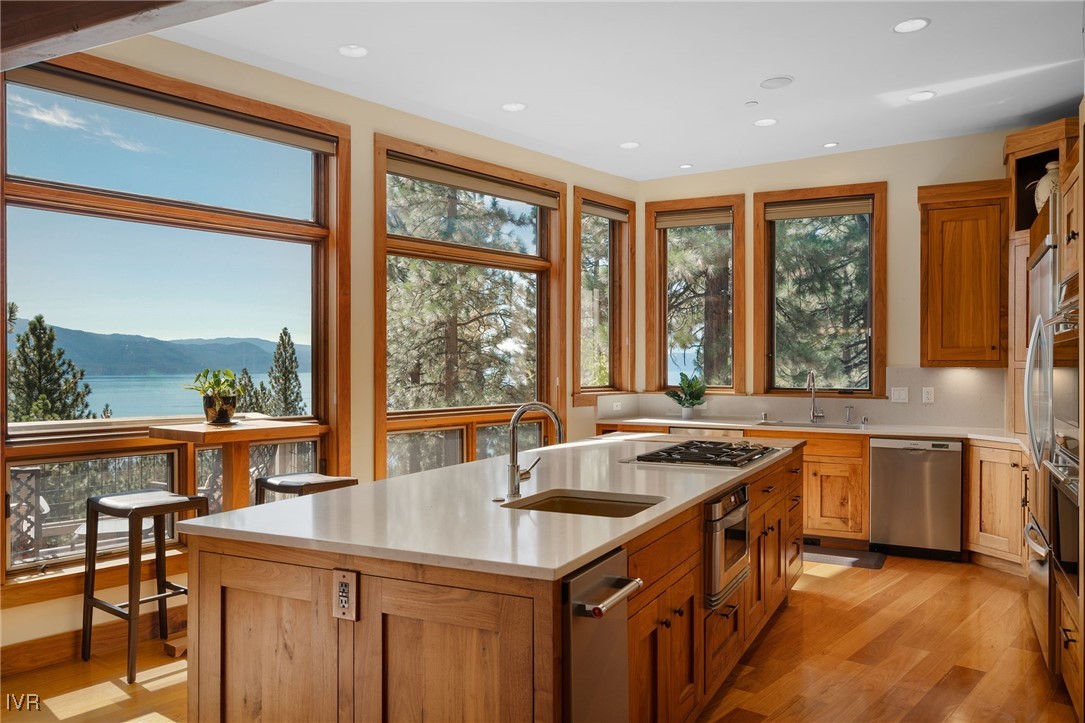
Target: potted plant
column 690, row 394
column 220, row 390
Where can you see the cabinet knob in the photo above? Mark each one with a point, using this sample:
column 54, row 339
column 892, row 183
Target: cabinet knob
column 772, row 528
column 1013, row 465
column 679, row 612
column 666, row 623
column 764, row 533
column 1071, row 237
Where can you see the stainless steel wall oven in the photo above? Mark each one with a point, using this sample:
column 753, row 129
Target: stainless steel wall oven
column 727, row 544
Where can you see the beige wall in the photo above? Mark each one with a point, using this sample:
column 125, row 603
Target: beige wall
column 904, row 167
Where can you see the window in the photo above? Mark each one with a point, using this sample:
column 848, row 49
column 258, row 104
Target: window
column 468, row 263
column 603, row 233
column 696, row 272
column 820, row 259
column 149, row 236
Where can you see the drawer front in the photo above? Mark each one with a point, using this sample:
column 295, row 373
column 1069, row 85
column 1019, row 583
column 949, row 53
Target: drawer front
column 724, row 638
column 657, row 559
column 794, row 503
column 769, row 488
column 1070, row 645
column 821, row 445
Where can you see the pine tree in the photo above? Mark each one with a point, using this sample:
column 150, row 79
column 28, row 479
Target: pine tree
column 42, row 383
column 13, row 314
column 285, row 397
column 254, row 398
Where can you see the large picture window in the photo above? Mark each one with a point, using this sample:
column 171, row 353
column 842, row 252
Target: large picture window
column 821, row 274
column 148, row 237
column 468, row 275
column 603, row 233
column 696, row 268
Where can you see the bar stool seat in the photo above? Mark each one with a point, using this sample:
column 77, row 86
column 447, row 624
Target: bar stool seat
column 299, row 483
column 134, row 506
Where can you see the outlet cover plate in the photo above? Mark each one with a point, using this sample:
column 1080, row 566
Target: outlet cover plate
column 928, row 395
column 899, row 394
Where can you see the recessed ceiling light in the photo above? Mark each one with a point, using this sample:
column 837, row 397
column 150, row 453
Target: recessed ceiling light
column 911, row 25
column 353, row 51
column 831, row 144
column 514, row 107
column 628, row 145
column 921, row 96
column 752, row 103
column 684, row 166
column 776, row 82
column 765, row 122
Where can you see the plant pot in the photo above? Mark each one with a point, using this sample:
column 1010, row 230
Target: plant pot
column 219, row 410
column 687, row 412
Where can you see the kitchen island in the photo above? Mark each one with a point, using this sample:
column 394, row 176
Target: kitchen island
column 421, row 596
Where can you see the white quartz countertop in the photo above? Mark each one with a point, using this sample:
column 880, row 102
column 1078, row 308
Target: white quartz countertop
column 874, row 430
column 446, row 517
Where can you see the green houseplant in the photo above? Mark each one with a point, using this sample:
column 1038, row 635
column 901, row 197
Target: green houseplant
column 220, row 389
column 690, row 393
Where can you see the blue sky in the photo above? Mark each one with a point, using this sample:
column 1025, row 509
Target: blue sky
column 112, row 276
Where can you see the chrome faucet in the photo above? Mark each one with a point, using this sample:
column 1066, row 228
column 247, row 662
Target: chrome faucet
column 517, row 475
column 848, row 409
column 816, row 414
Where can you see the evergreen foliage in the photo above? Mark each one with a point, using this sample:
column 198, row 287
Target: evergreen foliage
column 257, row 397
column 595, row 301
column 284, row 385
column 42, row 383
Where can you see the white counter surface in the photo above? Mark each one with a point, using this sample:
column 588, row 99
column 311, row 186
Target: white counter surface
column 874, row 430
column 446, row 517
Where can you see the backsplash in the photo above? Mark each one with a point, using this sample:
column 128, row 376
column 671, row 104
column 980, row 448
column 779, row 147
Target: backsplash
column 962, row 398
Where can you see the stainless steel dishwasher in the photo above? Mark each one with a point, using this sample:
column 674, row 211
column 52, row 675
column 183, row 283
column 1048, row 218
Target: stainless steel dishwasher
column 915, row 498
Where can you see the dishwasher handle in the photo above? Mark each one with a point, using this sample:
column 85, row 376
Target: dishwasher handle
column 598, row 610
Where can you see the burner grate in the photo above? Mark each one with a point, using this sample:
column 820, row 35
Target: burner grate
column 708, row 452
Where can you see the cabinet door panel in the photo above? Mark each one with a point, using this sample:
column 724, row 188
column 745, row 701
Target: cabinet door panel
column 775, row 556
column 645, row 677
column 431, row 652
column 964, row 297
column 793, row 557
column 725, row 637
column 1070, row 229
column 755, row 586
column 277, row 636
column 684, row 661
column 996, row 517
column 836, row 497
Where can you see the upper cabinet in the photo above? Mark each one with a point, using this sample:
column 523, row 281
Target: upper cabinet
column 1069, row 231
column 1027, row 155
column 964, row 274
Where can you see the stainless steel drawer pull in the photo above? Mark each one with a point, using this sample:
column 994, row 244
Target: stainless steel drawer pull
column 598, row 610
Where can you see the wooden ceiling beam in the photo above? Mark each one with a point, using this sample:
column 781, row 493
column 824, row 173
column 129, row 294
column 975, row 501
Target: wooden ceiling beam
column 36, row 30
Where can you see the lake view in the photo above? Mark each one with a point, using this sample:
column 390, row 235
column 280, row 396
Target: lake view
column 144, row 396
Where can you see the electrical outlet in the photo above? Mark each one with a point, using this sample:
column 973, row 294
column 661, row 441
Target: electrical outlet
column 345, row 594
column 928, row 395
column 899, row 394
column 616, row 406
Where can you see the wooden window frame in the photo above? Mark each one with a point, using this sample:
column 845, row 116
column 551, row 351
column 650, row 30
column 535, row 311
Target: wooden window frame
column 330, row 237
column 655, row 264
column 550, row 264
column 763, row 269
column 623, row 268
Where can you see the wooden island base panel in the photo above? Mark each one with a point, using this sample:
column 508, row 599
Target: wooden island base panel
column 285, row 633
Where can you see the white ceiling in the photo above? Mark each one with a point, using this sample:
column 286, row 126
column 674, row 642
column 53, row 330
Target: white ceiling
column 675, row 77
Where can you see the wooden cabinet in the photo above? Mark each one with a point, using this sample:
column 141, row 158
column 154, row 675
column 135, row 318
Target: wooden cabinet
column 1026, row 155
column 1070, row 228
column 1068, row 637
column 996, row 488
column 767, row 586
column 837, row 498
column 724, row 639
column 793, row 539
column 963, row 274
column 443, row 653
column 665, row 656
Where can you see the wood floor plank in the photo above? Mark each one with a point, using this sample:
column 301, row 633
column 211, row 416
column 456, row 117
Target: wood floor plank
column 942, row 700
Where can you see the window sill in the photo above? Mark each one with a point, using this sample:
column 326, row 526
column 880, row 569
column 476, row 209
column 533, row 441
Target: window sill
column 26, row 587
column 587, row 398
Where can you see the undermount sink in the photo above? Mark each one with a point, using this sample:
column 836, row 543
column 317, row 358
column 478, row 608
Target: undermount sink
column 825, row 425
column 586, row 502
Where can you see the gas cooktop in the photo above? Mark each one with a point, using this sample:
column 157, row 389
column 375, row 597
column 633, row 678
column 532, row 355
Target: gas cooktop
column 713, row 453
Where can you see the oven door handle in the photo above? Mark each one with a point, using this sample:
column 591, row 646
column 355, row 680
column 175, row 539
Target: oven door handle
column 1032, row 544
column 1030, row 366
column 1063, row 481
column 739, row 513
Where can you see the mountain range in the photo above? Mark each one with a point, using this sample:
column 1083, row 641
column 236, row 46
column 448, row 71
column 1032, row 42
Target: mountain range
column 131, row 355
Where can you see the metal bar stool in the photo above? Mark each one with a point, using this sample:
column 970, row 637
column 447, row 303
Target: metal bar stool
column 299, row 483
column 134, row 506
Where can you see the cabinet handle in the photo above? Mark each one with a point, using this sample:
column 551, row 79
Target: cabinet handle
column 814, row 473
column 679, row 612
column 772, row 528
column 797, row 498
column 764, row 533
column 1013, row 465
column 769, row 490
column 666, row 623
column 797, row 470
column 731, row 610
column 1071, row 237
column 1066, row 639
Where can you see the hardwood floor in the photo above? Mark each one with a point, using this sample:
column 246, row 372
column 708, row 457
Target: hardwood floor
column 915, row 641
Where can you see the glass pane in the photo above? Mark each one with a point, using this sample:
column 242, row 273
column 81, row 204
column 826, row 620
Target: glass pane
column 48, row 504
column 493, row 439
column 594, row 301
column 264, row 460
column 428, row 210
column 700, row 313
column 139, row 309
column 410, row 452
column 822, row 301
column 459, row 335
column 57, row 137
